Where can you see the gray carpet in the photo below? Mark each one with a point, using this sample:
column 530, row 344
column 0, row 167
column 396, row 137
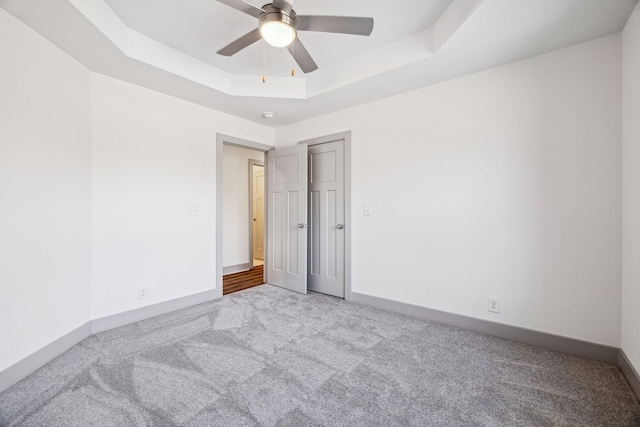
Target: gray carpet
column 269, row 357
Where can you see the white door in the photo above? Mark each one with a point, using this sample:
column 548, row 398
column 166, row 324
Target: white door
column 326, row 218
column 258, row 211
column 287, row 216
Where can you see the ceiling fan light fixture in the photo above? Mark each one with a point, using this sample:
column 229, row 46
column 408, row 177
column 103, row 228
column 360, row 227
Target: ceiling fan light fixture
column 277, row 33
column 277, row 27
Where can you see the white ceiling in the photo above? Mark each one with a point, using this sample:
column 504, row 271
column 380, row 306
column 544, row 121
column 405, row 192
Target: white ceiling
column 170, row 45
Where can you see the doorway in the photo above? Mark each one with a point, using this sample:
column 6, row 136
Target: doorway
column 235, row 212
column 286, row 216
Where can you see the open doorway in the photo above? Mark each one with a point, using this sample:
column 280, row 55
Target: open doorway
column 241, row 214
column 243, row 210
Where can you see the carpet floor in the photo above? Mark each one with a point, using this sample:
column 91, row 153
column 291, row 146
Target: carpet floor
column 269, row 357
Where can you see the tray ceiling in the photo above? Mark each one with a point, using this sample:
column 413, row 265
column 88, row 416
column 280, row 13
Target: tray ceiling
column 169, row 46
column 199, row 28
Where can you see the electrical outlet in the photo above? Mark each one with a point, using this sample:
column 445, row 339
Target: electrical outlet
column 143, row 293
column 494, row 305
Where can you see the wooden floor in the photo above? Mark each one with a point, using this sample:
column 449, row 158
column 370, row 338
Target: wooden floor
column 243, row 280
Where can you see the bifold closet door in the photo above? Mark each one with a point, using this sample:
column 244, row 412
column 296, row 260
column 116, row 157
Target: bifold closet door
column 326, row 218
column 287, row 231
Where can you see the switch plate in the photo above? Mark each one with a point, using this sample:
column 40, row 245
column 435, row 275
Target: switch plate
column 367, row 210
column 193, row 211
column 143, row 293
column 493, row 305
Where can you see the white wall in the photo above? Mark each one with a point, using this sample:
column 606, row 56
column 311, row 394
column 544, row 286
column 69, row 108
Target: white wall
column 45, row 192
column 631, row 189
column 505, row 183
column 153, row 157
column 235, row 195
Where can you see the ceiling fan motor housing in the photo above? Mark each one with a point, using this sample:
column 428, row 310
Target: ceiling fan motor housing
column 273, row 15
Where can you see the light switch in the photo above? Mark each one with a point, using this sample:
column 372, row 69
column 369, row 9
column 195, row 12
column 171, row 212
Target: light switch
column 192, row 211
column 367, row 210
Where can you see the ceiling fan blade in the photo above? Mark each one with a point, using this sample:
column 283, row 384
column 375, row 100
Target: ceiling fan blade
column 302, row 57
column 283, row 4
column 242, row 6
column 239, row 44
column 336, row 24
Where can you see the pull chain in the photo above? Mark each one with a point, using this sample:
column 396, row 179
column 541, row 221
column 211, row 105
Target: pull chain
column 293, row 72
column 264, row 78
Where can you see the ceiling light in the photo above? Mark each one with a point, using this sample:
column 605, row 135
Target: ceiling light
column 278, row 28
column 268, row 115
column 277, row 33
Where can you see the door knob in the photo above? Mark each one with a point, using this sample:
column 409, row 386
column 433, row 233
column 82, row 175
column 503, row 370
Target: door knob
column 302, row 225
column 339, row 226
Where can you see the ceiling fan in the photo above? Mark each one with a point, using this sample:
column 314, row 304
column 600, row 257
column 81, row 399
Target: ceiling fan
column 278, row 25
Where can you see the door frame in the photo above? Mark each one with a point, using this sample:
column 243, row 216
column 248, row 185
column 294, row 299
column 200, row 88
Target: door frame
column 221, row 141
column 346, row 137
column 253, row 163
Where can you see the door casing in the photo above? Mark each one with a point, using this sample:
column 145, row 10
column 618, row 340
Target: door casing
column 222, row 139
